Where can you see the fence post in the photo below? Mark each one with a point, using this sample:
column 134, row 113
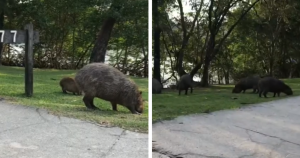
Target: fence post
column 29, row 60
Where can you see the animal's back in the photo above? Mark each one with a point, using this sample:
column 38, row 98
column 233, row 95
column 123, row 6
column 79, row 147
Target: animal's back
column 185, row 81
column 101, row 80
column 65, row 80
column 252, row 81
column 270, row 83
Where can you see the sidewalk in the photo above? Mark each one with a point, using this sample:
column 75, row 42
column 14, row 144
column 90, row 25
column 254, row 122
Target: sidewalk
column 266, row 130
column 27, row 132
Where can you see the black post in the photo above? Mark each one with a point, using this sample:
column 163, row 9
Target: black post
column 1, row 27
column 29, row 60
column 157, row 31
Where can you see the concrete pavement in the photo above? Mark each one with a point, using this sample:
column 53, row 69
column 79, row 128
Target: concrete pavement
column 266, row 130
column 27, row 132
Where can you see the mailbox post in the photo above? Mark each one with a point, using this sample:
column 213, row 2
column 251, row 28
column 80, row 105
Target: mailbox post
column 29, row 37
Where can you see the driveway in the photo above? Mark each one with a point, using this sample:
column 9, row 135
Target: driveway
column 27, row 132
column 266, row 130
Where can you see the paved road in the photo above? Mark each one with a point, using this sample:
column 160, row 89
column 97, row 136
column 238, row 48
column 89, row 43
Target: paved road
column 27, row 132
column 266, row 130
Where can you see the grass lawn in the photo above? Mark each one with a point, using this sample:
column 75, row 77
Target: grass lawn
column 169, row 105
column 47, row 94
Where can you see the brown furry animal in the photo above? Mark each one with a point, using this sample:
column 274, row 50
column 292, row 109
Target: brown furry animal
column 107, row 83
column 69, row 84
column 271, row 84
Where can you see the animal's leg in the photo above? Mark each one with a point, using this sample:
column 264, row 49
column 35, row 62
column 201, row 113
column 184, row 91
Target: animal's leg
column 89, row 102
column 260, row 91
column 92, row 103
column 114, row 106
column 274, row 94
column 63, row 90
column 186, row 90
column 265, row 93
column 191, row 90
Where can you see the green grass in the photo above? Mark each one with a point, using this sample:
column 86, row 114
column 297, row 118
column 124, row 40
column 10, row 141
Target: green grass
column 169, row 105
column 47, row 94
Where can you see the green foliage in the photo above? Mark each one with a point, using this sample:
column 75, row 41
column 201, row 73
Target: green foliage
column 47, row 94
column 68, row 29
column 265, row 42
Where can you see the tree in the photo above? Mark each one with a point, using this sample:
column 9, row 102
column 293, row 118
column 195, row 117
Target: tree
column 186, row 34
column 157, row 31
column 2, row 11
column 1, row 27
column 99, row 50
column 216, row 16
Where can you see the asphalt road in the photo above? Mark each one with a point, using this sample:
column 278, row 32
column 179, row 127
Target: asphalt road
column 27, row 132
column 266, row 130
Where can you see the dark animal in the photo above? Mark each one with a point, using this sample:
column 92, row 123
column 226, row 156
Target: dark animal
column 250, row 82
column 69, row 84
column 107, row 83
column 271, row 84
column 156, row 86
column 184, row 83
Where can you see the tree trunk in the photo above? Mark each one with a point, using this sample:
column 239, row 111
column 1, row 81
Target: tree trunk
column 157, row 31
column 271, row 68
column 99, row 50
column 145, row 67
column 226, row 75
column 124, row 63
column 219, row 77
column 195, row 69
column 1, row 28
column 207, row 60
column 291, row 73
column 205, row 76
column 179, row 67
column 73, row 45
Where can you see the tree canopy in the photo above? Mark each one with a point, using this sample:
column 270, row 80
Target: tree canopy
column 69, row 31
column 223, row 41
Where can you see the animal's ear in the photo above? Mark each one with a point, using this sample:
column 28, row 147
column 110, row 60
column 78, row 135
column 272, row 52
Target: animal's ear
column 141, row 92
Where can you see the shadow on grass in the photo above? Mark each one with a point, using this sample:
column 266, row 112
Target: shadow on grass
column 66, row 94
column 101, row 111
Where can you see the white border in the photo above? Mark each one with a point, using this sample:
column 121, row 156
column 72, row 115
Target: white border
column 150, row 78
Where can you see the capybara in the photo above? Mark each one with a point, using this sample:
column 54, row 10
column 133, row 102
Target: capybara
column 250, row 82
column 69, row 84
column 184, row 83
column 271, row 84
column 105, row 82
column 156, row 86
